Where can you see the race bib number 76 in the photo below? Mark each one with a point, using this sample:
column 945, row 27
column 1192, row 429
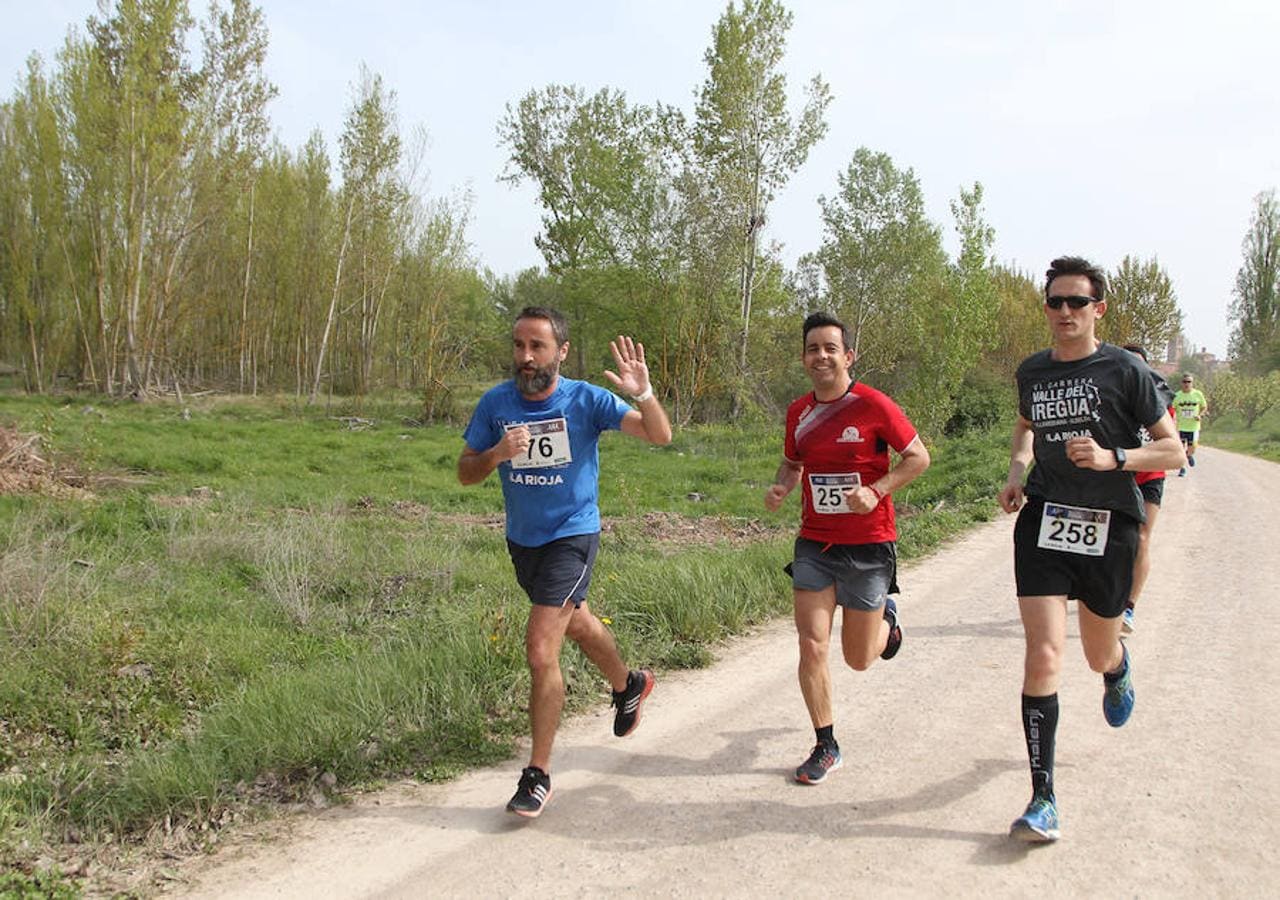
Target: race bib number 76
column 548, row 445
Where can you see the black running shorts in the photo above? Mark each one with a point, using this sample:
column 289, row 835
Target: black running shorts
column 558, row 572
column 1152, row 491
column 1101, row 583
column 1188, row 437
column 864, row 574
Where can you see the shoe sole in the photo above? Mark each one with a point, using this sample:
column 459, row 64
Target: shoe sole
column 1022, row 831
column 531, row 814
column 648, row 689
column 803, row 779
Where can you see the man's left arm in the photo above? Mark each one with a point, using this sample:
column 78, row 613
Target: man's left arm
column 913, row 459
column 648, row 420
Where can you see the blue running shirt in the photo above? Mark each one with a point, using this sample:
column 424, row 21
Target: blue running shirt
column 553, row 490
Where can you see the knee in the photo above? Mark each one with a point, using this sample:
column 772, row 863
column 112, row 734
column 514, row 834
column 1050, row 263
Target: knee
column 1103, row 659
column 813, row 651
column 1044, row 660
column 581, row 627
column 859, row 660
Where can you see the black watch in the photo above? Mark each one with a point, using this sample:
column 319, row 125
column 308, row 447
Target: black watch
column 1120, row 458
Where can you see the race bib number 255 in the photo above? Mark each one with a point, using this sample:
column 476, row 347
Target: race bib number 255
column 1074, row 529
column 548, row 445
column 828, row 491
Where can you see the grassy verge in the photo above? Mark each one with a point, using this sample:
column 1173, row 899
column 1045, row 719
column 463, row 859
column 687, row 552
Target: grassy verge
column 1228, row 432
column 251, row 601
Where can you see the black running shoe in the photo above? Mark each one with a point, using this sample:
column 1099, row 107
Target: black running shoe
column 895, row 630
column 630, row 700
column 532, row 794
column 824, row 758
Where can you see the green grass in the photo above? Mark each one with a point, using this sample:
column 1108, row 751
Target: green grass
column 1228, row 432
column 257, row 596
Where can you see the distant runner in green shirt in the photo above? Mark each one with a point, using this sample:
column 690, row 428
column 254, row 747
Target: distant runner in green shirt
column 1189, row 405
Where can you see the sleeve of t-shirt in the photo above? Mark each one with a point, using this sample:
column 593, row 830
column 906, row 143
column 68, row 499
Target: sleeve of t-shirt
column 1024, row 398
column 897, row 428
column 1166, row 392
column 608, row 409
column 789, row 436
column 483, row 430
column 1151, row 402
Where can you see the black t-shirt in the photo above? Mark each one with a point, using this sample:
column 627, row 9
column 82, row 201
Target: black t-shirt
column 1108, row 396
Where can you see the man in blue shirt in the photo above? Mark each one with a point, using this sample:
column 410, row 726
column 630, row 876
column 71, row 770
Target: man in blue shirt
column 541, row 431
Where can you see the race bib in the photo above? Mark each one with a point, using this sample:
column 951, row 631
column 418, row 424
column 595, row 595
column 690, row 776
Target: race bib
column 828, row 490
column 1074, row 529
column 548, row 445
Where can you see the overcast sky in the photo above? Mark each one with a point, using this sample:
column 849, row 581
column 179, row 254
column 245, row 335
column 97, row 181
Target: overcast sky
column 1098, row 128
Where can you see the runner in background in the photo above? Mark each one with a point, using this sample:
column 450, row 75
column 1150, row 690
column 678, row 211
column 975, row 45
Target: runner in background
column 1189, row 406
column 1151, row 484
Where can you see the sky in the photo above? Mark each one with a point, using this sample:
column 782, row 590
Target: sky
column 1101, row 129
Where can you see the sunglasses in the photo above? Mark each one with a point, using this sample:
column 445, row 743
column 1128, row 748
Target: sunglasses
column 1076, row 302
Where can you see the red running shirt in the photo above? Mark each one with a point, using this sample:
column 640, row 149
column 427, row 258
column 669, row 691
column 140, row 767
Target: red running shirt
column 1144, row 477
column 840, row 443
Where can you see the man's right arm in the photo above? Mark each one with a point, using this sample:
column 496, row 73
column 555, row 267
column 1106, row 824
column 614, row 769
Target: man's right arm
column 783, row 483
column 474, row 466
column 1021, row 451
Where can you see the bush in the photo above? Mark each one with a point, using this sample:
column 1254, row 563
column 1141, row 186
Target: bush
column 984, row 400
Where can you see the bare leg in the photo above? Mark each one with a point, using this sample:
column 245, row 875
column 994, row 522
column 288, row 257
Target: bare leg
column 1101, row 640
column 863, row 635
column 814, row 611
column 597, row 642
column 1142, row 562
column 543, row 638
column 1044, row 622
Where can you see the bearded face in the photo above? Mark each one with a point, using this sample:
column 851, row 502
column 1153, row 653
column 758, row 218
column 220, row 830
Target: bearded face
column 531, row 379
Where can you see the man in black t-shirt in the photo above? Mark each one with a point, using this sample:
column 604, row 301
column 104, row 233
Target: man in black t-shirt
column 1080, row 405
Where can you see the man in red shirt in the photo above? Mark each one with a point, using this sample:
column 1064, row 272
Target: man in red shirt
column 837, row 447
column 1151, row 484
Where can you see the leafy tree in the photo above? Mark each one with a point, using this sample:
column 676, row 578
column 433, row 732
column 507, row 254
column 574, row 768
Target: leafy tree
column 748, row 145
column 1255, row 311
column 1249, row 395
column 881, row 258
column 1022, row 330
column 1142, row 307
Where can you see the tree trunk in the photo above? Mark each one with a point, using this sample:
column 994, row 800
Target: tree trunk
column 333, row 303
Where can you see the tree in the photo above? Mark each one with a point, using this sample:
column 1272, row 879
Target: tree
column 1249, row 395
column 1020, row 313
column 880, row 258
column 1255, row 338
column 1142, row 307
column 747, row 142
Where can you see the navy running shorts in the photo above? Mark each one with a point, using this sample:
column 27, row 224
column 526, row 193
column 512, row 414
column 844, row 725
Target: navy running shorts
column 558, row 572
column 864, row 575
column 1152, row 491
column 1101, row 583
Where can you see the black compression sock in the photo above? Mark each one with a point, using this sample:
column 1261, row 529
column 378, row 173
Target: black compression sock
column 826, row 735
column 1040, row 727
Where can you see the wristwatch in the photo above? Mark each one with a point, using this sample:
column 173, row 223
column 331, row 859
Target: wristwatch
column 1120, row 458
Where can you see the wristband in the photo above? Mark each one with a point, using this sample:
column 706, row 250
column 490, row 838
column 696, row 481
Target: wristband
column 879, row 493
column 640, row 398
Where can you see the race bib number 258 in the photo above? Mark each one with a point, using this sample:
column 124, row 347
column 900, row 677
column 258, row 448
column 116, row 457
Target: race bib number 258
column 548, row 445
column 1074, row 529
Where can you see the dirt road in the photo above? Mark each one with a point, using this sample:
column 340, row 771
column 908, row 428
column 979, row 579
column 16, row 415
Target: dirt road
column 1181, row 801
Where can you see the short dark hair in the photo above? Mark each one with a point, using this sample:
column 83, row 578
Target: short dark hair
column 1077, row 265
column 559, row 326
column 1138, row 349
column 822, row 320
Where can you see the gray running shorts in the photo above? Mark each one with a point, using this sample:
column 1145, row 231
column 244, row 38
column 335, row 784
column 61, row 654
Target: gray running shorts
column 864, row 575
